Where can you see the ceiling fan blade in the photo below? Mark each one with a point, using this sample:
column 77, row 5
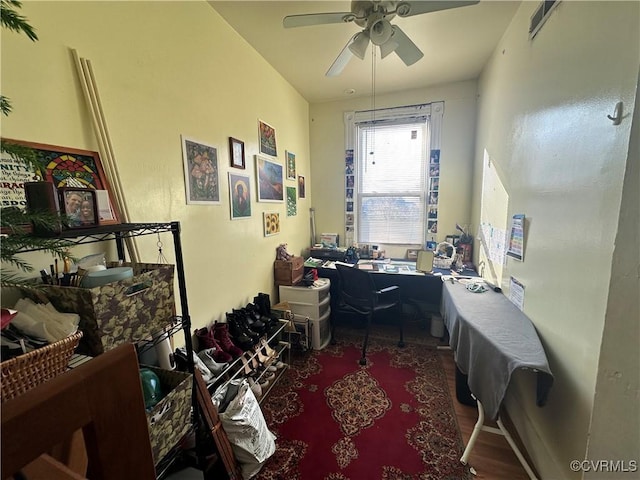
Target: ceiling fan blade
column 408, row 52
column 407, row 9
column 309, row 19
column 339, row 63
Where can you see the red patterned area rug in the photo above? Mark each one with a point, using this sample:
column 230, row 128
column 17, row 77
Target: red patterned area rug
column 336, row 420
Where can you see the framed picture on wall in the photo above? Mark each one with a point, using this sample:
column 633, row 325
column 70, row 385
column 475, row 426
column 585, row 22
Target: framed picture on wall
column 200, row 172
column 271, row 223
column 267, row 136
column 269, row 177
column 236, row 151
column 239, row 196
column 301, row 192
column 292, row 204
column 291, row 165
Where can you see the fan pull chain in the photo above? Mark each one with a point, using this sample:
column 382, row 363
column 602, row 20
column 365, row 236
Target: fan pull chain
column 372, row 151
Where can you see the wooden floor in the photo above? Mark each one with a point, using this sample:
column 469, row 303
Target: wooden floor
column 492, row 457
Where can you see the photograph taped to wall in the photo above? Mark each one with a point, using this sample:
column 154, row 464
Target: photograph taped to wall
column 269, row 177
column 62, row 166
column 267, row 140
column 301, row 192
column 200, row 172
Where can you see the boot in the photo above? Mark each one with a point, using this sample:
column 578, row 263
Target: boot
column 254, row 317
column 254, row 325
column 221, row 334
column 271, row 318
column 207, row 341
column 243, row 323
column 241, row 339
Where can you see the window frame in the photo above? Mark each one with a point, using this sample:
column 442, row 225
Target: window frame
column 433, row 112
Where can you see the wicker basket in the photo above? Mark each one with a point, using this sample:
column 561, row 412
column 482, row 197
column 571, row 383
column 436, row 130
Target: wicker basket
column 27, row 371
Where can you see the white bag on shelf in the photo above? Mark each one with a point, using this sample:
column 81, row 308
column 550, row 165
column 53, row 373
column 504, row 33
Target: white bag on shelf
column 251, row 440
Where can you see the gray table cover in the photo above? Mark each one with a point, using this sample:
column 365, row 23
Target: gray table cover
column 492, row 338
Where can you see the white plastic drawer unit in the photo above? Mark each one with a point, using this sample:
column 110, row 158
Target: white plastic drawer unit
column 311, row 310
column 321, row 332
column 314, row 295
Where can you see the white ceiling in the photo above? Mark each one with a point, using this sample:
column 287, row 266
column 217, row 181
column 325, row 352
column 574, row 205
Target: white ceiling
column 456, row 44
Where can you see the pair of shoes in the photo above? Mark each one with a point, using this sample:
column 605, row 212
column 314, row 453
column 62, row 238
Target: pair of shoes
column 221, row 334
column 208, row 376
column 208, row 358
column 241, row 334
column 253, row 369
column 207, row 341
column 256, row 388
column 268, row 356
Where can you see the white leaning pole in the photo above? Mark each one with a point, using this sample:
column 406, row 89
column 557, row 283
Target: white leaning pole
column 90, row 91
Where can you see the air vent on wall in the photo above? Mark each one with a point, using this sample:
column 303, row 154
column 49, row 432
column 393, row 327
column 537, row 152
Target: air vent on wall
column 540, row 16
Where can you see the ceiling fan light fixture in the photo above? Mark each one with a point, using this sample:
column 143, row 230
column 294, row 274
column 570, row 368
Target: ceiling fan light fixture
column 388, row 47
column 380, row 32
column 359, row 45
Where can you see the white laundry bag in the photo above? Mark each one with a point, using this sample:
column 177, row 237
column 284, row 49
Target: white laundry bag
column 251, row 440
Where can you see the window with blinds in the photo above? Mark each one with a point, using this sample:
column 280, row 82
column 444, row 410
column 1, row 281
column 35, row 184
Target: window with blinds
column 391, row 159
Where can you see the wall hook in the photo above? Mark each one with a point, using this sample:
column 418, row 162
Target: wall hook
column 617, row 114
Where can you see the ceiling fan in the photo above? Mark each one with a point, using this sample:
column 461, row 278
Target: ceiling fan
column 375, row 19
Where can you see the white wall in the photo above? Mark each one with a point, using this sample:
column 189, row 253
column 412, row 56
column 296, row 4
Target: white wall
column 164, row 69
column 542, row 120
column 328, row 164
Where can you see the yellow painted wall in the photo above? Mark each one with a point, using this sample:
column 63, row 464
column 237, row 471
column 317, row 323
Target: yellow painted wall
column 165, row 69
column 327, row 152
column 543, row 107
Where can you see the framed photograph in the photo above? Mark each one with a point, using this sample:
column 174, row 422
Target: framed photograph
column 200, row 172
column 80, row 207
column 291, row 165
column 271, row 223
column 236, row 151
column 62, row 166
column 292, row 206
column 239, row 196
column 267, row 139
column 301, row 192
column 269, row 177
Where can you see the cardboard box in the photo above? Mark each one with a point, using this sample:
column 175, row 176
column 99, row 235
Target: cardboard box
column 288, row 272
column 129, row 310
column 170, row 419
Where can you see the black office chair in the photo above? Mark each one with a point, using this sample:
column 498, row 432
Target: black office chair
column 360, row 295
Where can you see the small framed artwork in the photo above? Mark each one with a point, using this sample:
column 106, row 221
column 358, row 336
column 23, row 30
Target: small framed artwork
column 292, row 205
column 236, row 151
column 271, row 223
column 291, row 165
column 239, row 196
column 301, row 192
column 269, row 177
column 200, row 172
column 79, row 206
column 267, row 139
